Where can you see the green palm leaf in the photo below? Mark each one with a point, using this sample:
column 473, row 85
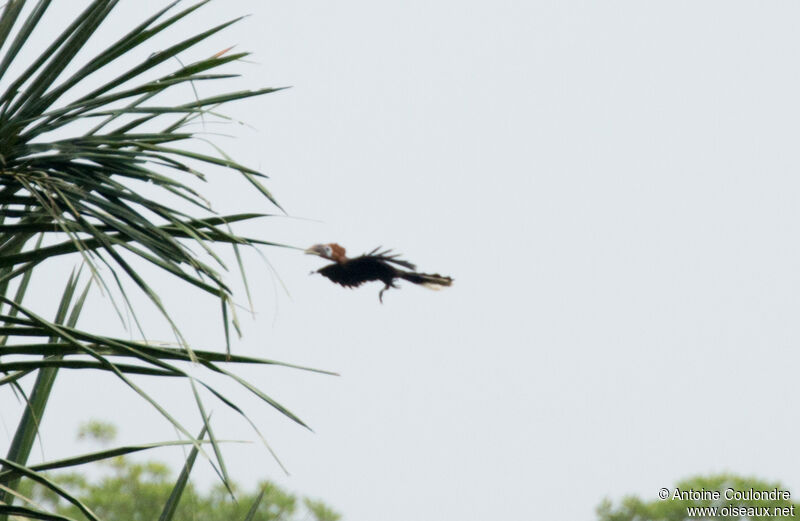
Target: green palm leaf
column 68, row 191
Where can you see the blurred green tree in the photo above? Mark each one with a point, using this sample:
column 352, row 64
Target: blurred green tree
column 137, row 491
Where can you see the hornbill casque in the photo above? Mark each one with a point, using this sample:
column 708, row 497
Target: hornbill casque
column 375, row 265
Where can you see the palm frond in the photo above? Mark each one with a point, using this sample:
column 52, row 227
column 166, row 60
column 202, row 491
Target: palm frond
column 75, row 152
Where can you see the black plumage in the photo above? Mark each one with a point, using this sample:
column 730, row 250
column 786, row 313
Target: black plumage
column 373, row 266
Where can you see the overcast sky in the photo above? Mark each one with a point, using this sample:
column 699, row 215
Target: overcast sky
column 613, row 186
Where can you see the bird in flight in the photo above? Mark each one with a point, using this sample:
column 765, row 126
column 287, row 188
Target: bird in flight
column 375, row 265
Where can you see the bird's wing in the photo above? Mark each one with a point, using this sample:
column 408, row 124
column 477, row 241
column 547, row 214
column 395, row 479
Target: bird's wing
column 384, row 256
column 341, row 275
column 352, row 273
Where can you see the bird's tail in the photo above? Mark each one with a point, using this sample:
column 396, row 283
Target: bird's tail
column 435, row 281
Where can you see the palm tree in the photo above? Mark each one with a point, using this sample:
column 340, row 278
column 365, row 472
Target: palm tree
column 76, row 149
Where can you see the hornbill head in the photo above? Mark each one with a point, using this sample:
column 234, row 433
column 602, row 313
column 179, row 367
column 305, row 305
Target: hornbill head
column 330, row 251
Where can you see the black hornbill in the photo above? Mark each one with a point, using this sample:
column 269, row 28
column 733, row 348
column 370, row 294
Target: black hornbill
column 375, row 265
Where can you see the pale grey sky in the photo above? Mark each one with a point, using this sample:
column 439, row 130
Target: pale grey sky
column 614, row 187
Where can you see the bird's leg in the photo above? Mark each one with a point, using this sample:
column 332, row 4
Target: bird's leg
column 380, row 295
column 388, row 285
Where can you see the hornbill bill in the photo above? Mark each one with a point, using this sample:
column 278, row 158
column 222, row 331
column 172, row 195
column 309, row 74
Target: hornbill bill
column 375, row 265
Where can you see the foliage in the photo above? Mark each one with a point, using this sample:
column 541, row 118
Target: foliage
column 99, row 431
column 633, row 508
column 134, row 491
column 97, row 166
